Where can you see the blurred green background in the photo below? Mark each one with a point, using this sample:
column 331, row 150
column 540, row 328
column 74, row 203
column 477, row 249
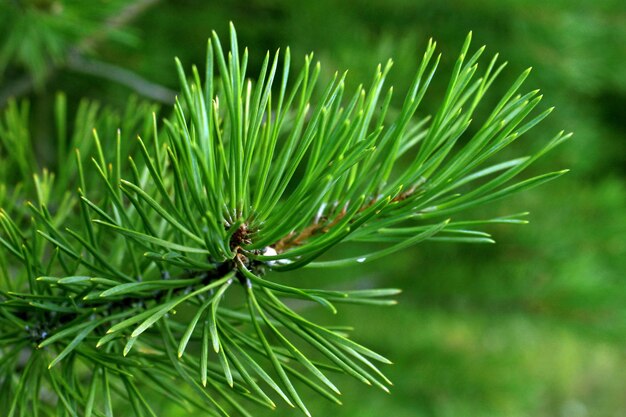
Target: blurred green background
column 532, row 326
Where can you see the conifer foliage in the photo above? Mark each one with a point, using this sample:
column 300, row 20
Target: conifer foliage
column 144, row 260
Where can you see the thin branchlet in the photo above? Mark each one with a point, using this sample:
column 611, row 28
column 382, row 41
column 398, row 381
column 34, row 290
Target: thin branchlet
column 322, row 224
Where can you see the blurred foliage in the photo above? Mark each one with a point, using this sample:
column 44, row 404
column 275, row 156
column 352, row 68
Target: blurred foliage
column 532, row 326
column 37, row 35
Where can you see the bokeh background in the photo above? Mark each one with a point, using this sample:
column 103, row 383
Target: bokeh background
column 532, row 326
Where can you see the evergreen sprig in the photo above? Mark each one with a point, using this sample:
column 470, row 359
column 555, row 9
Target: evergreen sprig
column 156, row 269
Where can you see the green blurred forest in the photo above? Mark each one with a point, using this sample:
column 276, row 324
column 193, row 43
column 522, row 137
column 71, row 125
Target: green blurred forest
column 534, row 325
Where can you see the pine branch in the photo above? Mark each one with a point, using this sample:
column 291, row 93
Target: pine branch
column 162, row 267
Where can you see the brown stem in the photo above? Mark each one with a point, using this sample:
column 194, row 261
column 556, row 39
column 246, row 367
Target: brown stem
column 322, row 225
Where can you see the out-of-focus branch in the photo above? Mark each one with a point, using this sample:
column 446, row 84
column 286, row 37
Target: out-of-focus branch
column 125, row 16
column 121, row 76
column 25, row 84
